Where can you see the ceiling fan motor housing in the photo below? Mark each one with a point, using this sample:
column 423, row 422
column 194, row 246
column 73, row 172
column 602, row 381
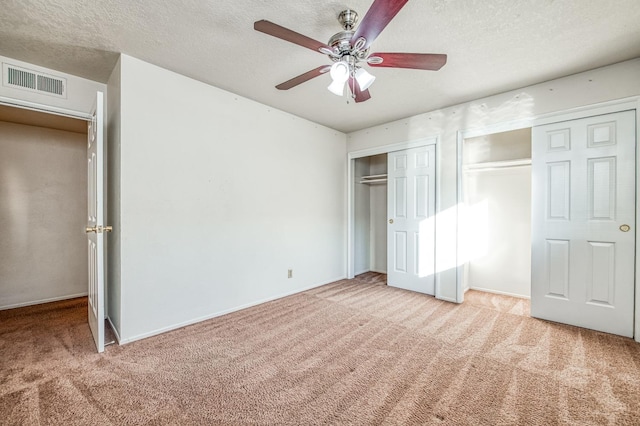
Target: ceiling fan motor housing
column 341, row 41
column 348, row 19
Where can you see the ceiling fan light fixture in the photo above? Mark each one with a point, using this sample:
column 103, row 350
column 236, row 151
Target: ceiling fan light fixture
column 339, row 74
column 336, row 87
column 339, row 71
column 364, row 78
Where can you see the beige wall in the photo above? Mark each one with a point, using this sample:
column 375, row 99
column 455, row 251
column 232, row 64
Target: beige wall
column 42, row 208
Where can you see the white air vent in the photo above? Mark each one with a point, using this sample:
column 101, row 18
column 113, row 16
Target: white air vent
column 33, row 81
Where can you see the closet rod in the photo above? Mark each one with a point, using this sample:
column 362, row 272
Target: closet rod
column 493, row 165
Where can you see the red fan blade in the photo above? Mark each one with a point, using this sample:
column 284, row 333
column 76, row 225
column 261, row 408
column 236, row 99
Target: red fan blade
column 288, row 35
column 419, row 61
column 302, row 78
column 378, row 16
column 361, row 95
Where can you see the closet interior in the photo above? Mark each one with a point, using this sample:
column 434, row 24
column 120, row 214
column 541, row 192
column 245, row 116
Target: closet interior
column 497, row 197
column 370, row 211
column 43, row 205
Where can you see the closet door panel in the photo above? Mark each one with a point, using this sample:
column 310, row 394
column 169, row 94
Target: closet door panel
column 411, row 219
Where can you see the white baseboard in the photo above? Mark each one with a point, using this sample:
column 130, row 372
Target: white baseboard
column 41, row 301
column 218, row 314
column 504, row 293
column 377, row 271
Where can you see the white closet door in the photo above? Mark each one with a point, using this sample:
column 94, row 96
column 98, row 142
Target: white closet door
column 583, row 220
column 95, row 236
column 411, row 219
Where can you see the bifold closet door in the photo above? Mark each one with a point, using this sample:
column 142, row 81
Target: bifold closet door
column 583, row 220
column 411, row 219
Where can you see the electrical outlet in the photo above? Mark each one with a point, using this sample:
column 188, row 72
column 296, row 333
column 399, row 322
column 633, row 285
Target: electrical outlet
column 290, row 273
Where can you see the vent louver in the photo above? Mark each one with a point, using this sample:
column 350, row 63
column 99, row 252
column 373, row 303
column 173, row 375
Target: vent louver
column 33, row 81
column 21, row 78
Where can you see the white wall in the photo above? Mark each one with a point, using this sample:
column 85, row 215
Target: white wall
column 500, row 230
column 599, row 85
column 43, row 202
column 501, row 146
column 220, row 196
column 114, row 293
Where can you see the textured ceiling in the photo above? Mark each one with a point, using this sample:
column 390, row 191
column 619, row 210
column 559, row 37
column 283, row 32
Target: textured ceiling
column 492, row 46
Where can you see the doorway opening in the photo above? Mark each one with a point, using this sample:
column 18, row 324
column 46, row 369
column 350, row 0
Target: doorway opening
column 43, row 202
column 496, row 231
column 43, row 207
column 392, row 214
column 370, row 214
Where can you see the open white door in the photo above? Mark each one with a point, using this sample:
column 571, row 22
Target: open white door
column 411, row 216
column 583, row 220
column 95, row 223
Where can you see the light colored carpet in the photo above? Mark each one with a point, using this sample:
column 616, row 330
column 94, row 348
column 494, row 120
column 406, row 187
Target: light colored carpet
column 351, row 352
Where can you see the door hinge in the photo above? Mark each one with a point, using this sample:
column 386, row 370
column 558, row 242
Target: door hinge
column 98, row 229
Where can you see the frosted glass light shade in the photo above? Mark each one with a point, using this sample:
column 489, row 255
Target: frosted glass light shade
column 339, row 74
column 365, row 80
column 336, row 87
column 339, row 71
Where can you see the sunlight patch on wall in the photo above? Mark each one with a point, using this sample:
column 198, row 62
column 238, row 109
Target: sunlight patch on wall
column 473, row 231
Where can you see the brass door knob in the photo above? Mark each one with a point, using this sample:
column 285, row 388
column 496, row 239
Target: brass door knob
column 390, row 220
column 625, row 228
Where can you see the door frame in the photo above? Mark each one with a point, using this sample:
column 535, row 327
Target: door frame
column 383, row 149
column 619, row 105
column 33, row 106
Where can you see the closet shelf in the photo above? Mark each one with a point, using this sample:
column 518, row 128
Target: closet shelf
column 492, row 165
column 382, row 178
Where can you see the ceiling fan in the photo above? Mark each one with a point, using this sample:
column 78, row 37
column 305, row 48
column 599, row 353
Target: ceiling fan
column 349, row 49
